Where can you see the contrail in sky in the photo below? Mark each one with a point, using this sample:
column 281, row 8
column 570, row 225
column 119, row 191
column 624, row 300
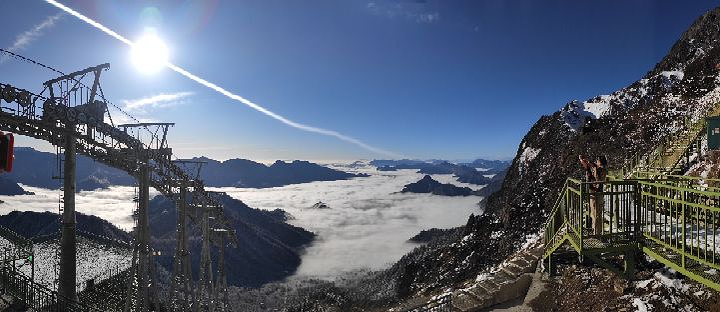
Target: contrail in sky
column 227, row 93
column 27, row 37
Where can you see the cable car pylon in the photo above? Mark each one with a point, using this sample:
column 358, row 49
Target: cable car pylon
column 181, row 291
column 73, row 118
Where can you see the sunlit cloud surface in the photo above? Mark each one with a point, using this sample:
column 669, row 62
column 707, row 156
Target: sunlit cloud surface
column 366, row 227
column 368, row 223
column 161, row 100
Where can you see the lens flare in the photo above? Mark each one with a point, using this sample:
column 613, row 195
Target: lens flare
column 149, row 53
column 227, row 93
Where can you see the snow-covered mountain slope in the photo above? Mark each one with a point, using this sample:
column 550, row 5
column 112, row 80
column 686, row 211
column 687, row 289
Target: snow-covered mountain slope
column 683, row 86
column 94, row 261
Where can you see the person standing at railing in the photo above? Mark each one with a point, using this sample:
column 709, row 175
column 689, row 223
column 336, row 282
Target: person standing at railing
column 595, row 173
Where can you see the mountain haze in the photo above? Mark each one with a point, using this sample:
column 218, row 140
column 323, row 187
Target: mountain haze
column 37, row 169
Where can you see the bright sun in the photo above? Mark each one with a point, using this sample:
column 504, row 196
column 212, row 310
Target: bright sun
column 149, row 53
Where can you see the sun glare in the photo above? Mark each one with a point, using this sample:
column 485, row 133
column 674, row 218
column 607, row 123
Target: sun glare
column 149, row 53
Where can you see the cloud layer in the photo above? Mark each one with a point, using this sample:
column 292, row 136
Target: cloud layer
column 114, row 204
column 368, row 223
column 161, row 100
column 366, row 227
column 414, row 11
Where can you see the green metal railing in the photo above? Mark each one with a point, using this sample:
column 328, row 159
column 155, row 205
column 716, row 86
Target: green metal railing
column 617, row 211
column 680, row 228
column 670, row 155
column 555, row 223
column 670, row 217
column 699, row 183
column 568, row 219
column 676, row 221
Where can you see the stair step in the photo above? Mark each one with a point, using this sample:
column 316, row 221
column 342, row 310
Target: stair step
column 487, row 287
column 512, row 270
column 497, row 281
column 536, row 252
column 532, row 262
column 480, row 293
column 483, row 298
column 465, row 302
column 502, row 276
column 521, row 262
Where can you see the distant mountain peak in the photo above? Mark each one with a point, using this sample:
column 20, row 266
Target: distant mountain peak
column 429, row 185
column 695, row 42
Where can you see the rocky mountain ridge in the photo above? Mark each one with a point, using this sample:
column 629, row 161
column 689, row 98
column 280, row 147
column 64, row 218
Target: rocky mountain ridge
column 683, row 85
column 35, row 168
column 35, row 225
column 466, row 173
column 428, row 185
column 247, row 173
column 10, row 187
column 268, row 249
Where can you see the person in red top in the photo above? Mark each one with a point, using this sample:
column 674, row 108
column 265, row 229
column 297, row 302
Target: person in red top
column 596, row 173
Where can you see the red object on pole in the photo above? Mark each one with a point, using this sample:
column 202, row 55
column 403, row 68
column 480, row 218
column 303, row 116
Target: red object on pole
column 7, row 142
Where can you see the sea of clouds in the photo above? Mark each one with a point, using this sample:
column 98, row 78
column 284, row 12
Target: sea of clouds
column 369, row 221
column 367, row 226
column 114, row 204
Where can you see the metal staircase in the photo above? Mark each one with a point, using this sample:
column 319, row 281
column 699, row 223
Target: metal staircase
column 673, row 154
column 648, row 208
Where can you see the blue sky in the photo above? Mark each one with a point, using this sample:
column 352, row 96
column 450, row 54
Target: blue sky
column 423, row 79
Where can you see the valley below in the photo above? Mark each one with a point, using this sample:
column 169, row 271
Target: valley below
column 368, row 222
column 366, row 226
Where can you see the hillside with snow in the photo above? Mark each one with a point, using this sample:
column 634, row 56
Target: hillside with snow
column 95, row 260
column 682, row 87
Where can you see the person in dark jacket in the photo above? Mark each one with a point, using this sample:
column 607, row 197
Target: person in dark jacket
column 596, row 173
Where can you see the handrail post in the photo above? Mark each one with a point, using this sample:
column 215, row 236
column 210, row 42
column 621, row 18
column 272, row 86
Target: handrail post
column 566, row 201
column 638, row 211
column 683, row 228
column 582, row 216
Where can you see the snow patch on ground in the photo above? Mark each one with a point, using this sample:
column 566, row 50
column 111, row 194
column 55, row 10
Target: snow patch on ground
column 673, row 74
column 576, row 113
column 671, row 282
column 598, row 108
column 467, row 238
column 526, row 157
column 483, row 276
column 643, row 284
column 94, row 261
column 640, row 305
column 530, row 240
column 643, row 90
